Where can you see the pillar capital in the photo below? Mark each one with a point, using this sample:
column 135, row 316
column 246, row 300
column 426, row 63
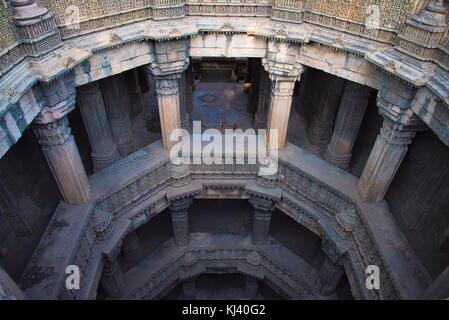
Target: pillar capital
column 59, row 99
column 54, row 133
column 282, row 86
column 281, row 59
column 181, row 205
column 167, row 86
column 171, row 58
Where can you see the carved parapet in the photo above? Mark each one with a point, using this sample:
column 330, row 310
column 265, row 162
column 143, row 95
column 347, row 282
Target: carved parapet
column 423, row 31
column 37, row 27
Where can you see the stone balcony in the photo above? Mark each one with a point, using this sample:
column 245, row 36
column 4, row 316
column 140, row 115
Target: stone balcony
column 317, row 195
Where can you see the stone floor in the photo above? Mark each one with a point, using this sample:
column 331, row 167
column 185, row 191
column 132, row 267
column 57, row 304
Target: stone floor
column 223, row 105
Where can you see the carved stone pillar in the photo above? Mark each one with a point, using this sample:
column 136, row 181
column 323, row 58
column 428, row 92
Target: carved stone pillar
column 262, row 219
column 132, row 248
column 183, row 100
column 112, row 280
column 279, row 109
column 118, row 109
column 180, row 219
column 350, row 114
column 167, row 89
column 52, row 129
column 62, row 155
column 171, row 61
column 261, row 117
column 320, row 129
column 399, row 127
column 104, row 150
column 331, row 273
column 251, row 286
column 189, row 289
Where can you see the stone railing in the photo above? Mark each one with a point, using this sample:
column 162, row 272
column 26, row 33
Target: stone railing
column 275, row 263
column 315, row 194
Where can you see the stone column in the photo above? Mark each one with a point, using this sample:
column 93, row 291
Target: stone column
column 118, row 106
column 419, row 209
column 190, row 88
column 279, row 109
column 180, row 220
column 261, row 117
column 183, row 102
column 167, row 89
column 352, row 108
column 384, row 160
column 262, row 219
column 254, row 66
column 330, row 276
column 112, row 280
column 132, row 248
column 303, row 93
column 189, row 289
column 320, row 129
column 104, row 150
column 10, row 209
column 399, row 127
column 62, row 155
column 134, row 91
column 251, row 286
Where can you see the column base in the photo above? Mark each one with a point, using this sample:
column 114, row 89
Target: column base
column 104, row 161
column 319, row 134
column 341, row 161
